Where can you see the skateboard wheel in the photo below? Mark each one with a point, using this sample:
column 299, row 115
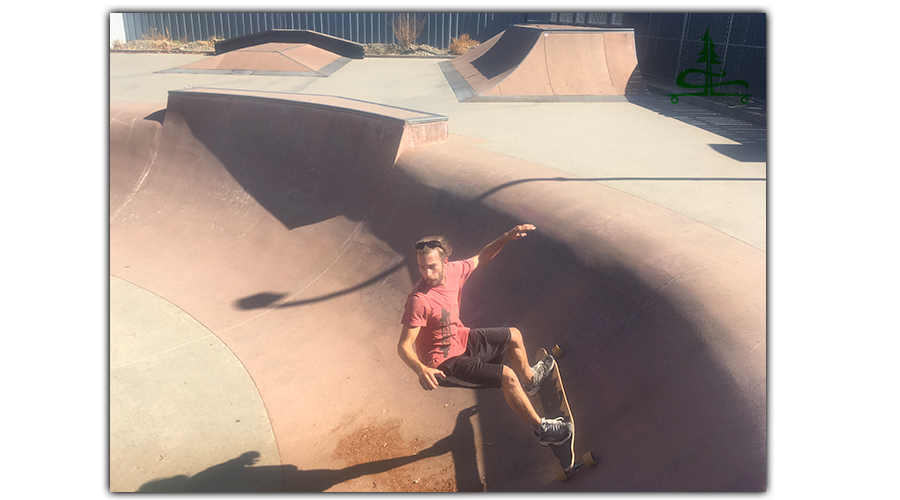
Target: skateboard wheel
column 557, row 351
column 589, row 459
column 561, row 474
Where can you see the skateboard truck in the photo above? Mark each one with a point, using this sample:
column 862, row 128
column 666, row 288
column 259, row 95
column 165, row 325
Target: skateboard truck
column 588, row 459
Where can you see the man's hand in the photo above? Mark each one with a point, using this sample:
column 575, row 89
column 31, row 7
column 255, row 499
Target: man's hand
column 519, row 231
column 407, row 351
column 428, row 378
column 490, row 251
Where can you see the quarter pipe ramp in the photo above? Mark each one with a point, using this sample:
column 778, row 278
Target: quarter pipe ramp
column 546, row 63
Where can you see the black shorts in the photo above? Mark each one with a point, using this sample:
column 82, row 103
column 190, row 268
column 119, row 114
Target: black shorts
column 482, row 363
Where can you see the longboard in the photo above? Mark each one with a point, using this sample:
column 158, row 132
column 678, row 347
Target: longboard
column 555, row 404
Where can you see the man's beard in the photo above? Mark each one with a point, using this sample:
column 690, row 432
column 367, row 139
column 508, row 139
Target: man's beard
column 438, row 281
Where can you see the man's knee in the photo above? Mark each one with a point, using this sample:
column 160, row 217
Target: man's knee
column 515, row 336
column 508, row 377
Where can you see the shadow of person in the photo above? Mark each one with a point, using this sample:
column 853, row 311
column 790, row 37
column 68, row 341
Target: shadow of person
column 468, row 478
column 234, row 476
column 321, row 480
column 238, row 475
column 460, row 444
column 268, row 300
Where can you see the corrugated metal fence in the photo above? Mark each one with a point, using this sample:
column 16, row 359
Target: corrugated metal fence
column 666, row 43
column 669, row 43
column 360, row 27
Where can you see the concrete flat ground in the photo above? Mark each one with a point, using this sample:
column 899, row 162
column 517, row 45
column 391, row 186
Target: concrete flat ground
column 168, row 372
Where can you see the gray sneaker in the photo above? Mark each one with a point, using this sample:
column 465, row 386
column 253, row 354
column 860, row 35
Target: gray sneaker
column 554, row 432
column 541, row 371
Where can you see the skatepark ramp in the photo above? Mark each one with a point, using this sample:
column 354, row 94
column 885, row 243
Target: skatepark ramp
column 548, row 63
column 272, row 59
column 284, row 224
column 277, row 53
column 340, row 46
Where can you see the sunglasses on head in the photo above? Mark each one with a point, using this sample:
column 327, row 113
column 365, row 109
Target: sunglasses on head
column 430, row 244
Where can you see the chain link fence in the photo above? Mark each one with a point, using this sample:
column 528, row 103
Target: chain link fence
column 362, row 27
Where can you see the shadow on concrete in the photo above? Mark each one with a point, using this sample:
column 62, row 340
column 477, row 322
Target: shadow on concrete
column 158, row 116
column 304, row 168
column 506, row 52
column 267, row 299
column 755, row 152
column 238, row 475
column 722, row 120
column 617, row 362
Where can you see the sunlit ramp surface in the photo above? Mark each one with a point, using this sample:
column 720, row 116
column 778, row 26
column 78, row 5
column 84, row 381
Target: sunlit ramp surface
column 549, row 63
column 269, row 59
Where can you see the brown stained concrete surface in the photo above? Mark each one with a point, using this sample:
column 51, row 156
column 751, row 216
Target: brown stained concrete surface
column 287, row 240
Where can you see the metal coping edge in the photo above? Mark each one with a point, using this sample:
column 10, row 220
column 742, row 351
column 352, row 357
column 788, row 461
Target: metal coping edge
column 458, row 84
column 570, row 29
column 243, row 72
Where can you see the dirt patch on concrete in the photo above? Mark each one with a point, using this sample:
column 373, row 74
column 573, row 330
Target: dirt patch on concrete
column 387, row 463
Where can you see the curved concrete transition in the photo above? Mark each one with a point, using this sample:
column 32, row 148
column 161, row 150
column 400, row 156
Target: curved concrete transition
column 284, row 224
column 548, row 63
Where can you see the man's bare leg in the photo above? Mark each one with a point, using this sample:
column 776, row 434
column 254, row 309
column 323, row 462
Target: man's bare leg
column 517, row 399
column 518, row 357
column 556, row 431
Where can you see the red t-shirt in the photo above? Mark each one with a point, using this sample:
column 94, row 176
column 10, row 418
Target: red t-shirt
column 436, row 311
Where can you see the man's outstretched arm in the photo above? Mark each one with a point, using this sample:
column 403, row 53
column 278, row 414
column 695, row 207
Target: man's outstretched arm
column 407, row 351
column 494, row 247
